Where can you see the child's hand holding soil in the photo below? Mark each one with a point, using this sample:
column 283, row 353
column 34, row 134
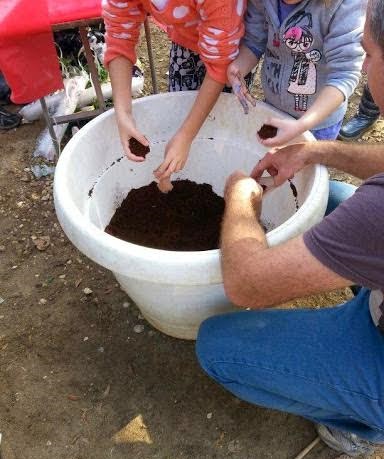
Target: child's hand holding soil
column 137, row 148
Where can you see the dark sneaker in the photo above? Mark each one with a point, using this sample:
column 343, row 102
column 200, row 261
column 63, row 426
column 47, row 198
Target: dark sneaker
column 9, row 120
column 5, row 91
column 345, row 442
column 356, row 126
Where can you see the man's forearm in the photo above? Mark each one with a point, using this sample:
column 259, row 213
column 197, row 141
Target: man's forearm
column 242, row 238
column 240, row 226
column 359, row 159
column 241, row 220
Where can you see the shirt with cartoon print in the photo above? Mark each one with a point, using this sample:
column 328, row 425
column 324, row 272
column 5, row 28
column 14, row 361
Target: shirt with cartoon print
column 313, row 46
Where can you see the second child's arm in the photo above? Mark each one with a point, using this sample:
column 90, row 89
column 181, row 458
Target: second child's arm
column 237, row 70
column 251, row 49
column 245, row 61
column 328, row 100
column 343, row 58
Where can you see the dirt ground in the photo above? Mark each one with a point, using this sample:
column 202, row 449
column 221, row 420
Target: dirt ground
column 76, row 380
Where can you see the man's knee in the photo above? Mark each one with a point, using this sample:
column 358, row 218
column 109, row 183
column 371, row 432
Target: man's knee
column 338, row 192
column 206, row 342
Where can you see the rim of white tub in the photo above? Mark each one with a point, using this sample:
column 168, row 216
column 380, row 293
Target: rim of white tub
column 111, row 249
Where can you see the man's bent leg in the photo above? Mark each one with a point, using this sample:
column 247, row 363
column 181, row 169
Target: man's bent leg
column 338, row 192
column 325, row 365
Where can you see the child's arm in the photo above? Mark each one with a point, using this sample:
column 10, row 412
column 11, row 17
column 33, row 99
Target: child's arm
column 343, row 60
column 325, row 104
column 252, row 48
column 120, row 71
column 342, row 48
column 241, row 66
column 220, row 32
column 122, row 33
column 177, row 149
column 244, row 63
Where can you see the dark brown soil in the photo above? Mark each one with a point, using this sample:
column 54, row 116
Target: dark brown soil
column 294, row 192
column 188, row 218
column 267, row 131
column 138, row 148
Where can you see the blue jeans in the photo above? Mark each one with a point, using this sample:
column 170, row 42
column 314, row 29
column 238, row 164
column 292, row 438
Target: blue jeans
column 329, row 133
column 338, row 192
column 326, row 365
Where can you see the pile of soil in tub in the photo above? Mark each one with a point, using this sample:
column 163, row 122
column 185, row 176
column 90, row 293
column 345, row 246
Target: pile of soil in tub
column 187, row 218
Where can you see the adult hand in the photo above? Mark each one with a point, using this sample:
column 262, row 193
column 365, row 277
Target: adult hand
column 240, row 186
column 127, row 129
column 283, row 163
column 176, row 155
column 287, row 130
column 239, row 87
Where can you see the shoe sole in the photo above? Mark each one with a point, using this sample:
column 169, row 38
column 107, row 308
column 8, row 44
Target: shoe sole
column 346, row 139
column 8, row 128
column 4, row 117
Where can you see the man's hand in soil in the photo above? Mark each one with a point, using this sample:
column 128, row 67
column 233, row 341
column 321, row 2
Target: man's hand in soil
column 283, row 163
column 127, row 129
column 176, row 155
column 240, row 188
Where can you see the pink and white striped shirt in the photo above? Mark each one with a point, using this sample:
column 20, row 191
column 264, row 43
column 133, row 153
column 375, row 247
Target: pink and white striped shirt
column 212, row 28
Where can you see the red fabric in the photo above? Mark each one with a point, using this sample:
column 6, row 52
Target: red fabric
column 73, row 10
column 28, row 57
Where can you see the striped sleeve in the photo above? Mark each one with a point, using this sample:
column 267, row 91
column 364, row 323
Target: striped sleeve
column 123, row 20
column 220, row 32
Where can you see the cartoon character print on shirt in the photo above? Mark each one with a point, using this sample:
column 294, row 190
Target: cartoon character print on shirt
column 273, row 70
column 303, row 77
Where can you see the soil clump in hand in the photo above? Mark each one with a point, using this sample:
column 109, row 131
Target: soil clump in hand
column 188, row 218
column 267, row 131
column 138, row 148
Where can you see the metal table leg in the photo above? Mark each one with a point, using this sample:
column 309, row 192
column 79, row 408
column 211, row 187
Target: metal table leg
column 49, row 122
column 92, row 67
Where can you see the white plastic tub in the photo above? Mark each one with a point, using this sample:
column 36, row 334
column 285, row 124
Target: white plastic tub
column 175, row 291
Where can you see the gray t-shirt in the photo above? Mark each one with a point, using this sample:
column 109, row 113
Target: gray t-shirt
column 350, row 241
